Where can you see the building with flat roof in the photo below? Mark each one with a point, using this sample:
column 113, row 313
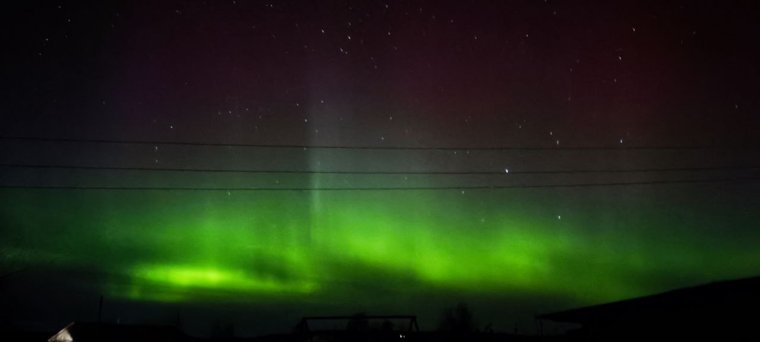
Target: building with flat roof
column 722, row 310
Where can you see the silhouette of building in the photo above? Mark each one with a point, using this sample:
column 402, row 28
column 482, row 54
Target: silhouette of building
column 359, row 327
column 721, row 310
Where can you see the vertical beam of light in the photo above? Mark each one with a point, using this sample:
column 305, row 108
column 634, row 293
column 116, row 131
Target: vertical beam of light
column 187, row 247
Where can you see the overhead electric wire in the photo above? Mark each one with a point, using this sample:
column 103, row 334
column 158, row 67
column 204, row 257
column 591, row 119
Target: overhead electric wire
column 349, row 172
column 376, row 148
column 415, row 188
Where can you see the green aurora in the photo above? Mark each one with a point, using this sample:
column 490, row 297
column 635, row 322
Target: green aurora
column 248, row 246
column 180, row 106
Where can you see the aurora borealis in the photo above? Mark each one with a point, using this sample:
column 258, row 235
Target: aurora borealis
column 218, row 248
column 437, row 153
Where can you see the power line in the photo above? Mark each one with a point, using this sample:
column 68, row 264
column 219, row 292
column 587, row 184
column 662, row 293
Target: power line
column 347, row 172
column 377, row 148
column 423, row 188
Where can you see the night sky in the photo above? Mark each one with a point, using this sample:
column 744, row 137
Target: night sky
column 197, row 162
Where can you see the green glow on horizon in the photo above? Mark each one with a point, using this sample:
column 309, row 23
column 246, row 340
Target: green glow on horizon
column 248, row 246
column 200, row 277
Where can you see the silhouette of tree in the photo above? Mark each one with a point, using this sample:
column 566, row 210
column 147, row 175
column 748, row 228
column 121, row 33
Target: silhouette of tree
column 458, row 319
